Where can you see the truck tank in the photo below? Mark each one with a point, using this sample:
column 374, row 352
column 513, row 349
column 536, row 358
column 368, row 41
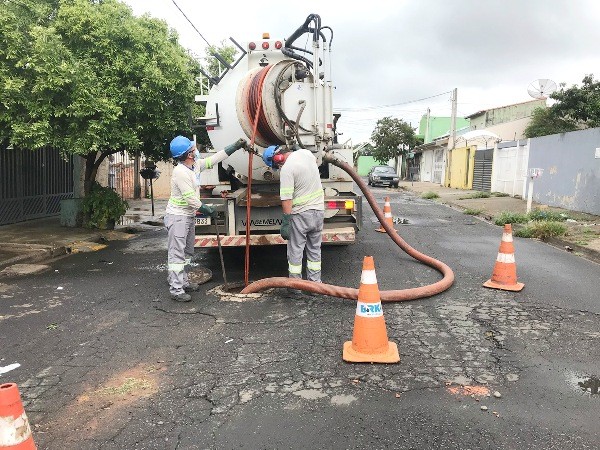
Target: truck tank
column 293, row 87
column 296, row 101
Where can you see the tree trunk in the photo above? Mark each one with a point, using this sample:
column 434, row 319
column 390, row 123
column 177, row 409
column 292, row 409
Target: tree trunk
column 91, row 168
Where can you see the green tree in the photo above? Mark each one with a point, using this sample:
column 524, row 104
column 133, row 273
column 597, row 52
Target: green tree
column 89, row 78
column 576, row 107
column 544, row 122
column 392, row 138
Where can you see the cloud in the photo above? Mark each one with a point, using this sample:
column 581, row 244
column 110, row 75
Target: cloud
column 388, row 52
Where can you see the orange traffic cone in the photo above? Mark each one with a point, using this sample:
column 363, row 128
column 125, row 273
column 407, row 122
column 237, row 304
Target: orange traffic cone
column 387, row 212
column 15, row 432
column 504, row 275
column 369, row 341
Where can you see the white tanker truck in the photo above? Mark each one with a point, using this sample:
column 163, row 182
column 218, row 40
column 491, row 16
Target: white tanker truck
column 291, row 88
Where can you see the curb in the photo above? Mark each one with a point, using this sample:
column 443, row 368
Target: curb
column 32, row 253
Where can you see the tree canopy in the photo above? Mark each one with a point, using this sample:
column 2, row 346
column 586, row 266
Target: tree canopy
column 89, row 78
column 576, row 107
column 391, row 138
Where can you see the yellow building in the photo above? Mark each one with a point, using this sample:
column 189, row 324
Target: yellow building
column 459, row 167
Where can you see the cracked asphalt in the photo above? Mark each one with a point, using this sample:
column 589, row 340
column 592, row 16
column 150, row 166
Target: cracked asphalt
column 110, row 362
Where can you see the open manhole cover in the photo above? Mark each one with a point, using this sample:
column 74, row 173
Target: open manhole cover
column 232, row 293
column 200, row 275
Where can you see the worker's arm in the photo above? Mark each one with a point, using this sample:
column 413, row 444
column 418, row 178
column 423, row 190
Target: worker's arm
column 286, row 193
column 286, row 205
column 211, row 161
column 188, row 190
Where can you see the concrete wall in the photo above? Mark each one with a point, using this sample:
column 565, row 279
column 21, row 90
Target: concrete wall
column 495, row 116
column 459, row 173
column 365, row 163
column 162, row 186
column 426, row 166
column 509, row 170
column 510, row 131
column 571, row 163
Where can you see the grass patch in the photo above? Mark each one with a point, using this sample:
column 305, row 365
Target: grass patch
column 537, row 215
column 129, row 385
column 542, row 230
column 472, row 211
column 479, row 194
column 499, row 194
column 547, row 215
column 430, row 195
column 511, row 217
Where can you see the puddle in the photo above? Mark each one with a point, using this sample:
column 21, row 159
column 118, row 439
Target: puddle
column 586, row 385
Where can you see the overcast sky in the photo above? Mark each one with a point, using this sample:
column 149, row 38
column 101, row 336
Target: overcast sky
column 392, row 52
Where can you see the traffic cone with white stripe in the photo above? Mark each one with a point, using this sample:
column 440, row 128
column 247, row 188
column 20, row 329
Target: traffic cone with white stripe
column 15, row 432
column 369, row 341
column 504, row 275
column 387, row 213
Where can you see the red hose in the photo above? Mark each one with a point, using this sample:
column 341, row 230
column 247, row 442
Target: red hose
column 351, row 293
column 256, row 95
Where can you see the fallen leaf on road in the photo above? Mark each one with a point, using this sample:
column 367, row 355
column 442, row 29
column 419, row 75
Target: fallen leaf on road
column 52, row 326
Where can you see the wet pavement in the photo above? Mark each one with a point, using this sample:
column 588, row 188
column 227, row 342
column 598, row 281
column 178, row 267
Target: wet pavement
column 109, row 361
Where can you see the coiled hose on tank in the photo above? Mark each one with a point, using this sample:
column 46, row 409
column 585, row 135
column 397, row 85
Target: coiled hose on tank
column 351, row 293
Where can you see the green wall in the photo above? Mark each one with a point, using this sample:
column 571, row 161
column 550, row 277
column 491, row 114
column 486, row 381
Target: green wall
column 365, row 163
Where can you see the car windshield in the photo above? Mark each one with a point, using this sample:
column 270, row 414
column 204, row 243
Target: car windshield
column 384, row 170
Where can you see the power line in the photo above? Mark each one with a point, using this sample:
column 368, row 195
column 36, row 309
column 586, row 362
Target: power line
column 190, row 22
column 392, row 105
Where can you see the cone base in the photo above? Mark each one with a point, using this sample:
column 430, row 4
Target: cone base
column 390, row 357
column 504, row 287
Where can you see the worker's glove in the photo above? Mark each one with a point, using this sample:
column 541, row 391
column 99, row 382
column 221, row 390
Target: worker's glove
column 208, row 210
column 230, row 149
column 285, row 226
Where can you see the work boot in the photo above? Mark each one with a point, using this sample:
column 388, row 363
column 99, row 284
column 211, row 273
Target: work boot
column 295, row 294
column 183, row 297
column 191, row 287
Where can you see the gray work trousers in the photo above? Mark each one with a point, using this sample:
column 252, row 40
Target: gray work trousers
column 305, row 234
column 180, row 244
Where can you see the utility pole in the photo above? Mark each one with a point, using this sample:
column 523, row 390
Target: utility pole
column 451, row 140
column 453, row 119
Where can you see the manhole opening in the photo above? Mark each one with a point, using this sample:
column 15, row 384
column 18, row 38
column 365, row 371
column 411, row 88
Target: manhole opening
column 234, row 288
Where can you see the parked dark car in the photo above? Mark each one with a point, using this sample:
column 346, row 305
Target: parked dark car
column 383, row 175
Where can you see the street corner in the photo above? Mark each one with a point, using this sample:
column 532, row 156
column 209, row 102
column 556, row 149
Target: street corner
column 16, row 270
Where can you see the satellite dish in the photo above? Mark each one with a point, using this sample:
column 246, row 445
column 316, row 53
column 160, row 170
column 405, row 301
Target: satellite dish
column 541, row 89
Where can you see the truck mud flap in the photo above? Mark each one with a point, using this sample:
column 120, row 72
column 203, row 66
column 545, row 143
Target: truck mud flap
column 334, row 236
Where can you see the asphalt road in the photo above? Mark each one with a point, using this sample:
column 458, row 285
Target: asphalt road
column 109, row 361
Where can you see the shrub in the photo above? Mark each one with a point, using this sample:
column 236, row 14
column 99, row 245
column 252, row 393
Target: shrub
column 547, row 215
column 430, row 195
column 510, row 217
column 102, row 207
column 542, row 230
column 499, row 194
column 472, row 211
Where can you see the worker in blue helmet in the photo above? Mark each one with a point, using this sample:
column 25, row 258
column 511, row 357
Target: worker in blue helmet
column 182, row 207
column 302, row 203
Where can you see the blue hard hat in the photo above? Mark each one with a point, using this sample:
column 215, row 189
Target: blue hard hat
column 180, row 145
column 267, row 155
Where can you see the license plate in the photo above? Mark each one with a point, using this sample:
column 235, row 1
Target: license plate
column 202, row 220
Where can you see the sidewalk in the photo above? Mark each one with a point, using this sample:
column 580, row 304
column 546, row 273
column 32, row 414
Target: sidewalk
column 583, row 230
column 41, row 239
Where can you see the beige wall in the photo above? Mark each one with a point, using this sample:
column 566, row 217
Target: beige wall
column 511, row 131
column 162, row 186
